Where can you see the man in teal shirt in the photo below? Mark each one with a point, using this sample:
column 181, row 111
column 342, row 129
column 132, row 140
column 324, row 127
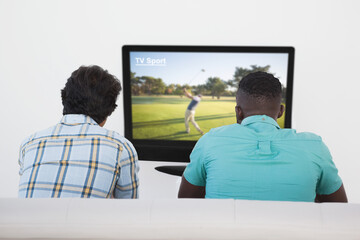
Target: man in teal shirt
column 257, row 160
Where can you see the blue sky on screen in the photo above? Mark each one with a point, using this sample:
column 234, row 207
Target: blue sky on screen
column 187, row 68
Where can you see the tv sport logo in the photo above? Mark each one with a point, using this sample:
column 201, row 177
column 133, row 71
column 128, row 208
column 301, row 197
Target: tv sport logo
column 150, row 61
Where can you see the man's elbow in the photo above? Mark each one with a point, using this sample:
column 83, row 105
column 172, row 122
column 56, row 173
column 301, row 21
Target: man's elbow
column 338, row 196
column 187, row 190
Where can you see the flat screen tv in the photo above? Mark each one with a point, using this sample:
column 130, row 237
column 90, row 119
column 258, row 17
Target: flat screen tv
column 154, row 79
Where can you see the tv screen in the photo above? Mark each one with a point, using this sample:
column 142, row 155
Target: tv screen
column 163, row 84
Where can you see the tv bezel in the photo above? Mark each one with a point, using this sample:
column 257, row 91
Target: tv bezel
column 179, row 151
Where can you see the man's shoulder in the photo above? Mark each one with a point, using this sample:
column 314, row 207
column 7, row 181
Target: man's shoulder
column 225, row 128
column 196, row 98
column 123, row 142
column 305, row 136
column 223, row 131
column 115, row 136
column 38, row 134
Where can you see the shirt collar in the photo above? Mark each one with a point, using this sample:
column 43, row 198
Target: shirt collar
column 77, row 119
column 259, row 119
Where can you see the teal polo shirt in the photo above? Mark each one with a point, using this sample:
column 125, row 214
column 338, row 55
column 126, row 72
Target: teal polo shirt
column 257, row 160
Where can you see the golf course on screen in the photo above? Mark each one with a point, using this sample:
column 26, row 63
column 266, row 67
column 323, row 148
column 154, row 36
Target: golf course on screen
column 163, row 84
column 162, row 117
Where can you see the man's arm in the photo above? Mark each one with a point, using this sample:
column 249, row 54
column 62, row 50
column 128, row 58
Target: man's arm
column 187, row 190
column 338, row 196
column 127, row 185
column 187, row 94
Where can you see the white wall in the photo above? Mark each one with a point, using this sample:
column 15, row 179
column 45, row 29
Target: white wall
column 42, row 42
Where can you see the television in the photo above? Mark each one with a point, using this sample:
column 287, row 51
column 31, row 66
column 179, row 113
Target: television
column 154, row 79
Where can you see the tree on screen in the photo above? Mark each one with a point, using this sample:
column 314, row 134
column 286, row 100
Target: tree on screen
column 170, row 89
column 158, row 87
column 200, row 89
column 136, row 84
column 216, row 86
column 178, row 90
column 153, row 85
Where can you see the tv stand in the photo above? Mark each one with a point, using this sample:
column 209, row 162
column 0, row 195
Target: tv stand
column 172, row 170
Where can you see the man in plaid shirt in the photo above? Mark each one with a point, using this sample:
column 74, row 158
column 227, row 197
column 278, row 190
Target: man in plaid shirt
column 78, row 157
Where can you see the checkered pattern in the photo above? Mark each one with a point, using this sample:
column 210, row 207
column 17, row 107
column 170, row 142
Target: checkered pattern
column 78, row 158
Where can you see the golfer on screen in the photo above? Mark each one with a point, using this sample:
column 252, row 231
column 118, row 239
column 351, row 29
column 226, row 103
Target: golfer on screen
column 190, row 111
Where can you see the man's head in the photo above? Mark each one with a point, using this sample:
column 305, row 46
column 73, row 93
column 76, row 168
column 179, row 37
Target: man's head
column 259, row 93
column 91, row 91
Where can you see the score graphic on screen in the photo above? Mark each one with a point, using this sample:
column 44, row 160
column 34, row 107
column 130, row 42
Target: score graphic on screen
column 174, row 94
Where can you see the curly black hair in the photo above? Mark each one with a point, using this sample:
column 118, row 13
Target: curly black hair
column 91, row 91
column 261, row 86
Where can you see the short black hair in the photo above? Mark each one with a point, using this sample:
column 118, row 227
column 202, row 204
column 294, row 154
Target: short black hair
column 91, row 91
column 261, row 86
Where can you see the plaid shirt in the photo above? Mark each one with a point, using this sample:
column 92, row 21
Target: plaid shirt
column 78, row 158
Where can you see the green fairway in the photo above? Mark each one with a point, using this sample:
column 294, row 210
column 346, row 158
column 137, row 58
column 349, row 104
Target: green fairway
column 162, row 117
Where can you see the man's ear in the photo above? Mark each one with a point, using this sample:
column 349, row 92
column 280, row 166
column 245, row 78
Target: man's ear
column 239, row 114
column 102, row 123
column 281, row 112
